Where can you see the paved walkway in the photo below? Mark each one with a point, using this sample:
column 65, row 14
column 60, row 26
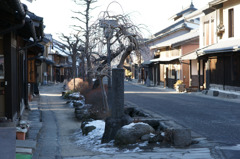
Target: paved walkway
column 59, row 124
column 164, row 153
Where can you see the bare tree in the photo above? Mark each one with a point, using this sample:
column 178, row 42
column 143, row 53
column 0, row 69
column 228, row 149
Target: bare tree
column 124, row 38
column 74, row 45
column 84, row 26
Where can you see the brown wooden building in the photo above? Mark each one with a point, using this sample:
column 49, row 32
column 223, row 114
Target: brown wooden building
column 18, row 33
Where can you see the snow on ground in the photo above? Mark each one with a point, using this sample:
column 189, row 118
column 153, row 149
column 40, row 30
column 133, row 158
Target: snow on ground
column 93, row 140
column 75, row 95
column 129, row 126
column 225, row 91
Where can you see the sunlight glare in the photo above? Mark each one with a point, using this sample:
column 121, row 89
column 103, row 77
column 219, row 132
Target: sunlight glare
column 132, row 92
column 51, row 95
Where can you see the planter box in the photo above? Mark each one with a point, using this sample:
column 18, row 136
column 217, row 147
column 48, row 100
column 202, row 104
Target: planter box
column 21, row 135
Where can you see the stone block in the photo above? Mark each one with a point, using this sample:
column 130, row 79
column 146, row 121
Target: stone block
column 215, row 93
column 182, row 137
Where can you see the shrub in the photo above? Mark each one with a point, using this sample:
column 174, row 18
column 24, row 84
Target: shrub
column 70, row 84
column 95, row 98
column 84, row 88
column 179, row 82
column 66, row 95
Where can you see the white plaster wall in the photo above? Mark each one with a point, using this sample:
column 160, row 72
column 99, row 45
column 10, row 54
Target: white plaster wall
column 194, row 67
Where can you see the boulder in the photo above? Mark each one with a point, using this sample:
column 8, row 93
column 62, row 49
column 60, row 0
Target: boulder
column 153, row 123
column 87, row 129
column 113, row 125
column 156, row 138
column 82, row 115
column 132, row 133
column 69, row 101
column 182, row 137
column 146, row 137
column 77, row 103
column 135, row 112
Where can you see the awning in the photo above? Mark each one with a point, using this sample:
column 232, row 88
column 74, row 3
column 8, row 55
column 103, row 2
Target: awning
column 190, row 56
column 165, row 59
column 146, row 62
column 223, row 46
column 50, row 62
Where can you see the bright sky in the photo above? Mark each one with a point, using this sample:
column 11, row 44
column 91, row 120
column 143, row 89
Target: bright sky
column 152, row 14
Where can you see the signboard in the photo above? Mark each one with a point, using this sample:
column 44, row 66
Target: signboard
column 31, row 70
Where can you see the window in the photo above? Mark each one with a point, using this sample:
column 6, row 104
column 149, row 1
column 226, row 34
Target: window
column 206, row 33
column 212, row 31
column 230, row 23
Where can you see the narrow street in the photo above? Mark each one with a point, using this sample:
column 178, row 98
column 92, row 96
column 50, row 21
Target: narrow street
column 215, row 119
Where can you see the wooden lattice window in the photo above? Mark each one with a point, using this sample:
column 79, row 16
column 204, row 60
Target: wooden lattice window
column 230, row 23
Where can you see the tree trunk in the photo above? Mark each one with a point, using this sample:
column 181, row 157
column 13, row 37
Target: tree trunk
column 104, row 94
column 89, row 66
column 74, row 69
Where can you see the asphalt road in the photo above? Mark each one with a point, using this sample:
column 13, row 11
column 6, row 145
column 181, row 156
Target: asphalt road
column 215, row 119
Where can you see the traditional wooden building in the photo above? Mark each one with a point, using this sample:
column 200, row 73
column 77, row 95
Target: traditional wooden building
column 218, row 57
column 168, row 45
column 220, row 44
column 20, row 31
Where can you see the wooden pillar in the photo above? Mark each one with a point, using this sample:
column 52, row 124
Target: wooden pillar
column 158, row 74
column 224, row 72
column 199, row 75
column 10, row 60
column 190, row 81
column 208, row 74
column 26, row 79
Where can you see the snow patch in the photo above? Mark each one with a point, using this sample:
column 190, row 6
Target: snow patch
column 75, row 95
column 129, row 126
column 226, row 91
column 93, row 140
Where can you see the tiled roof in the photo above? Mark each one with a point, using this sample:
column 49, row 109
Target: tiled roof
column 192, row 34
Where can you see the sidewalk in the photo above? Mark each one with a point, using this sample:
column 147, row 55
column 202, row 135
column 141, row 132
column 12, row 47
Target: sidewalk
column 25, row 148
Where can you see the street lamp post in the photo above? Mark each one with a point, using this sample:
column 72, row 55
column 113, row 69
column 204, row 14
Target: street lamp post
column 108, row 26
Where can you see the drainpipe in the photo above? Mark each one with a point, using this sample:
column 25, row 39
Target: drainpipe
column 199, row 74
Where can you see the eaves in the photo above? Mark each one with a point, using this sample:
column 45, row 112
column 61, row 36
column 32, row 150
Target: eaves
column 169, row 33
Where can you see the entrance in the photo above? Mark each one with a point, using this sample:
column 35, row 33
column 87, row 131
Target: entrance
column 2, row 89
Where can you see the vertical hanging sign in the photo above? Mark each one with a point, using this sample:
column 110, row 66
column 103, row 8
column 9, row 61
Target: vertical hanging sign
column 31, row 70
